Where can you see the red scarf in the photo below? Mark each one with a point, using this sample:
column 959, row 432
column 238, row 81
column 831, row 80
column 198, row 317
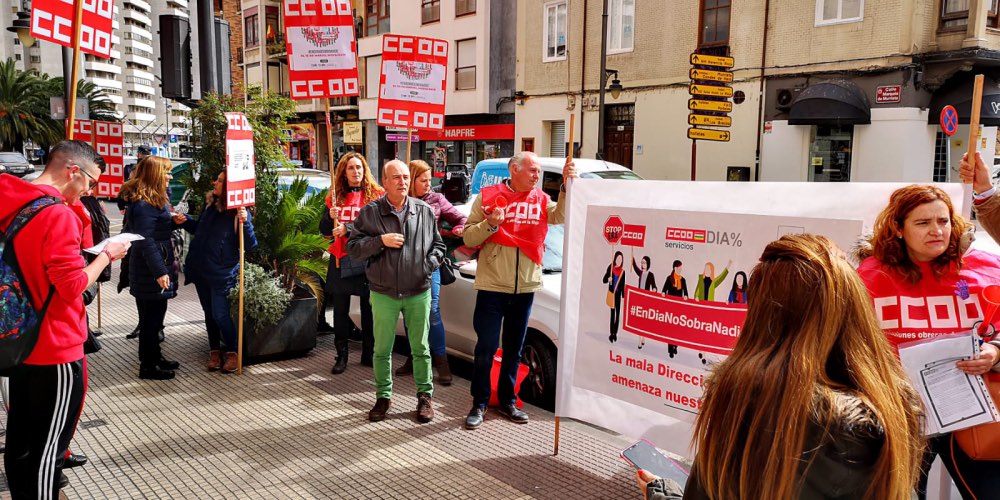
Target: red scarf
column 527, row 218
column 353, row 201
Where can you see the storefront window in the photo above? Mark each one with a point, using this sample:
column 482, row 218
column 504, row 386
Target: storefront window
column 830, row 153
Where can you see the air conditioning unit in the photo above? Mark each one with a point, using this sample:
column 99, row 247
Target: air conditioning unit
column 785, row 97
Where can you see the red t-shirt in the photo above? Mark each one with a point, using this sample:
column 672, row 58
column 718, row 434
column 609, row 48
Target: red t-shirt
column 931, row 307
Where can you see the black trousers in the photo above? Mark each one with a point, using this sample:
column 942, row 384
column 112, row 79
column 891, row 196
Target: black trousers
column 151, row 315
column 45, row 401
column 974, row 478
column 342, row 322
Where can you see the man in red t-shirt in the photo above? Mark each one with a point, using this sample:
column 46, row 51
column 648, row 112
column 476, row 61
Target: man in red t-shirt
column 46, row 391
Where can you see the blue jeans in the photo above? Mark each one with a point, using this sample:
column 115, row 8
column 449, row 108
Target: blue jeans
column 218, row 321
column 493, row 310
column 435, row 336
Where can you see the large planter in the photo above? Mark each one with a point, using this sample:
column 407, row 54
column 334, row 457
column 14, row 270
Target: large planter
column 292, row 337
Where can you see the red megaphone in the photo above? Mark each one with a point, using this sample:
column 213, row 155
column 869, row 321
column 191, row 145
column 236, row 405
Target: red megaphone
column 991, row 294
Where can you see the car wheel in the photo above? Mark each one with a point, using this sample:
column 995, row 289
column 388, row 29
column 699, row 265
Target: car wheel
column 539, row 387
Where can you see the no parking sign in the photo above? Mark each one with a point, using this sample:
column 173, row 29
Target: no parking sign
column 949, row 120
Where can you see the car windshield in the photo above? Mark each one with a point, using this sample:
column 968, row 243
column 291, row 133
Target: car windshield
column 552, row 259
column 12, row 157
column 612, row 174
column 317, row 183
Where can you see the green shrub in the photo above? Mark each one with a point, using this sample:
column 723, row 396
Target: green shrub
column 264, row 299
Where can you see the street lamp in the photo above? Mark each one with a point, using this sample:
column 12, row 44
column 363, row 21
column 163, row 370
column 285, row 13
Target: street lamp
column 616, row 84
column 22, row 26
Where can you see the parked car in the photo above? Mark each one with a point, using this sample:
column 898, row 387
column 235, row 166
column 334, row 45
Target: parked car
column 12, row 162
column 454, row 182
column 318, row 179
column 494, row 171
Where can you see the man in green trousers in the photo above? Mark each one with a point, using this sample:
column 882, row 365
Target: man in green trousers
column 398, row 236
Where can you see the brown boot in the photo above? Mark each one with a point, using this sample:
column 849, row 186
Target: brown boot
column 444, row 371
column 378, row 411
column 214, row 360
column 425, row 411
column 406, row 368
column 230, row 365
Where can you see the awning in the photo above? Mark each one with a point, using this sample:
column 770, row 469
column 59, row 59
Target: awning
column 957, row 91
column 833, row 102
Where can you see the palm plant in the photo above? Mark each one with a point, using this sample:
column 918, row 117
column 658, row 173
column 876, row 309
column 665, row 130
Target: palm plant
column 297, row 249
column 24, row 109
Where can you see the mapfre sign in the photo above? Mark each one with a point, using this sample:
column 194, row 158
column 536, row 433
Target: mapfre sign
column 322, row 49
column 413, row 82
column 52, row 21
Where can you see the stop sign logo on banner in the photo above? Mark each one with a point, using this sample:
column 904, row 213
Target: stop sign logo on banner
column 240, row 175
column 52, row 21
column 413, row 82
column 322, row 50
column 613, row 229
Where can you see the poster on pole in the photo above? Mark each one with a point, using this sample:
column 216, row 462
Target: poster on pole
column 413, row 82
column 322, row 50
column 52, row 21
column 106, row 138
column 655, row 288
column 240, row 175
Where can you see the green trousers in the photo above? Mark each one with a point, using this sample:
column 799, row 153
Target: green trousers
column 416, row 314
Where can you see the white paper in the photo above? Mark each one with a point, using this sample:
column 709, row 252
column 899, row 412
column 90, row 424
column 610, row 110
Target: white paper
column 120, row 238
column 952, row 398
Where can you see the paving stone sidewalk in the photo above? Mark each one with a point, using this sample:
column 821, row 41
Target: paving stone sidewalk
column 290, row 429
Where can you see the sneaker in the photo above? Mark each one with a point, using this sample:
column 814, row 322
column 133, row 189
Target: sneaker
column 425, row 411
column 475, row 417
column 377, row 413
column 513, row 414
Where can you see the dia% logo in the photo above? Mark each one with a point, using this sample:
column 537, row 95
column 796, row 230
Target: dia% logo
column 724, row 238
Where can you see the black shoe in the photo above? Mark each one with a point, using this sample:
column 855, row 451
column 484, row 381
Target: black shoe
column 155, row 373
column 62, row 481
column 159, row 336
column 475, row 417
column 166, row 364
column 324, row 328
column 134, row 334
column 96, row 333
column 513, row 414
column 340, row 365
column 355, row 334
column 74, row 460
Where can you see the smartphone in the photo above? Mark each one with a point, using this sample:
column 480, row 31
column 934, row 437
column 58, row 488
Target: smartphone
column 643, row 455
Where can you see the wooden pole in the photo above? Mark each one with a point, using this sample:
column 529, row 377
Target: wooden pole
column 977, row 104
column 239, row 348
column 77, row 25
column 409, row 138
column 333, row 168
column 694, row 159
column 98, row 306
column 572, row 129
column 556, row 451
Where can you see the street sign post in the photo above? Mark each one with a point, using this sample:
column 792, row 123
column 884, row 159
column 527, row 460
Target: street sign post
column 707, row 134
column 710, row 90
column 711, row 121
column 711, row 75
column 719, row 61
column 703, row 105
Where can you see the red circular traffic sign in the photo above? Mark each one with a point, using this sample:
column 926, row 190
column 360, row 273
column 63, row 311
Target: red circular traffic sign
column 949, row 120
column 613, row 229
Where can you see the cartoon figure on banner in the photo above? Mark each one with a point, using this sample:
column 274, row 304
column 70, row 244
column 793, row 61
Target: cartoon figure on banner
column 615, row 278
column 675, row 286
column 708, row 282
column 738, row 294
column 646, row 281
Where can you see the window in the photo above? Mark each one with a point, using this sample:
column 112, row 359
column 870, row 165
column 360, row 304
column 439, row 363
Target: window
column 17, row 41
column 465, row 65
column 955, row 14
column 465, row 7
column 376, row 17
column 839, row 11
column 715, row 22
column 555, row 32
column 557, row 139
column 621, row 26
column 251, row 31
column 830, row 153
column 430, row 11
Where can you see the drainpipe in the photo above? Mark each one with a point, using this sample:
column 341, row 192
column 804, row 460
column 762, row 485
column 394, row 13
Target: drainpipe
column 760, row 104
column 583, row 74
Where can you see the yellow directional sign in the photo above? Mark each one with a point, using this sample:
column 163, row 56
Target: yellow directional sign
column 721, row 61
column 715, row 76
column 711, row 90
column 713, row 121
column 703, row 105
column 707, row 134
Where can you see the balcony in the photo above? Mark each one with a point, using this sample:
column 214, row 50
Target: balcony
column 140, row 5
column 102, row 66
column 143, row 75
column 138, row 16
column 142, row 117
column 140, row 32
column 106, row 83
column 139, row 48
column 179, row 4
column 140, row 88
column 142, row 103
column 140, row 60
column 276, row 47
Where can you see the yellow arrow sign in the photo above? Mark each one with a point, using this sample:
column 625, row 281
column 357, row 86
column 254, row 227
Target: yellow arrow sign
column 721, row 61
column 715, row 76
column 703, row 105
column 712, row 121
column 711, row 90
column 707, row 134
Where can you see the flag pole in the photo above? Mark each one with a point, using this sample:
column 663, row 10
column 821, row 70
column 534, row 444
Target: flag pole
column 409, row 138
column 239, row 348
column 977, row 104
column 333, row 168
column 77, row 24
column 569, row 158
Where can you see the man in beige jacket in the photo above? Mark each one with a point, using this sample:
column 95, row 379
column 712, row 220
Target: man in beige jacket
column 510, row 221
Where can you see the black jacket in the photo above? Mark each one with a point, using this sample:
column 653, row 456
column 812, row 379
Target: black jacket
column 397, row 272
column 152, row 256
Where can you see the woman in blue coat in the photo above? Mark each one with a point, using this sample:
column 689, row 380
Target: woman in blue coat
column 153, row 267
column 213, row 260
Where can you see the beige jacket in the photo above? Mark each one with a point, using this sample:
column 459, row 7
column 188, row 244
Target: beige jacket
column 502, row 268
column 988, row 214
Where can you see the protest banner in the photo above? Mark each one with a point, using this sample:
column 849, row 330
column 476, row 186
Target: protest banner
column 654, row 289
column 53, row 21
column 322, row 50
column 240, row 192
column 413, row 82
column 106, row 138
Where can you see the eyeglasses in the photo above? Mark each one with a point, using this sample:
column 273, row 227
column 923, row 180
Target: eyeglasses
column 92, row 183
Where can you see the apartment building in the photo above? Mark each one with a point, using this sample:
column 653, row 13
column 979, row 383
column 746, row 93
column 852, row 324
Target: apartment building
column 479, row 101
column 852, row 89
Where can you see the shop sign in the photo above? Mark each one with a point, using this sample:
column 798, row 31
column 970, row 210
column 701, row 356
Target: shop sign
column 503, row 132
column 888, row 93
column 352, row 133
column 401, row 138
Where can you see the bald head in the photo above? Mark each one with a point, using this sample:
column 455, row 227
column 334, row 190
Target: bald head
column 396, row 181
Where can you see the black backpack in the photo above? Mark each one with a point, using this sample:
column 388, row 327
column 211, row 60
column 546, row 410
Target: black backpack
column 19, row 322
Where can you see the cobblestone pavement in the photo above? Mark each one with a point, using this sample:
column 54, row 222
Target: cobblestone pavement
column 289, row 429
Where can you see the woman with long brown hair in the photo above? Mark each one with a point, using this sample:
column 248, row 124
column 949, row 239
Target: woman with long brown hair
column 355, row 187
column 811, row 403
column 918, row 254
column 153, row 266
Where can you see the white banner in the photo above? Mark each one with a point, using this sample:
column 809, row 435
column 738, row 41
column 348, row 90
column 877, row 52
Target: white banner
column 319, row 48
column 654, row 290
column 413, row 81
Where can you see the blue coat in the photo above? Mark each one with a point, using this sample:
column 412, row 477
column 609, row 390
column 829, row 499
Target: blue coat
column 152, row 256
column 214, row 253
